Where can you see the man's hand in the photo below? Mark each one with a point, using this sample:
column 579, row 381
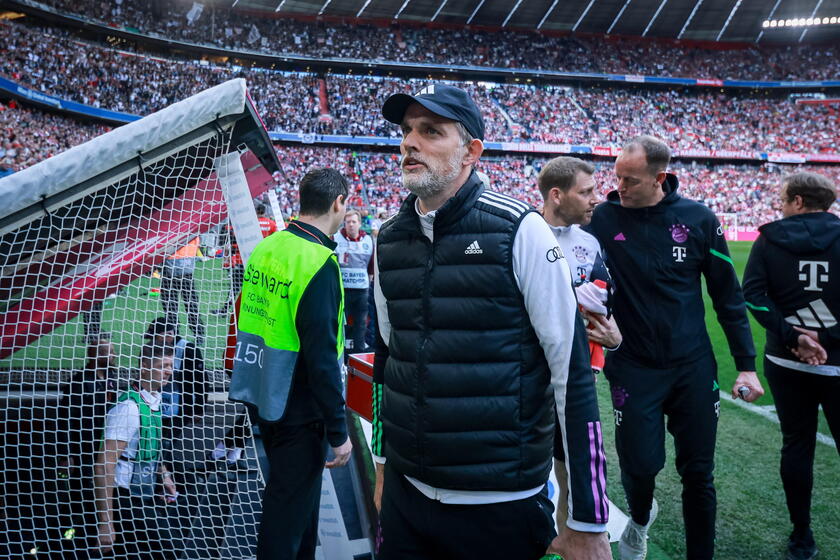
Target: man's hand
column 169, row 489
column 809, row 350
column 603, row 331
column 749, row 380
column 342, row 455
column 380, row 483
column 577, row 545
column 106, row 537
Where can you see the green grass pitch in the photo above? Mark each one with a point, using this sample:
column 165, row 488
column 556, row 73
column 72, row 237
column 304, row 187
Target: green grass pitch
column 126, row 317
column 752, row 518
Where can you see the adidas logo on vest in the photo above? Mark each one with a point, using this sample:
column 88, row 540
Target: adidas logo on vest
column 474, row 249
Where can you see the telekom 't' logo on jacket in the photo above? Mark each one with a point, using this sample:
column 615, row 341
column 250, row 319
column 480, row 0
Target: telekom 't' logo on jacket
column 810, row 272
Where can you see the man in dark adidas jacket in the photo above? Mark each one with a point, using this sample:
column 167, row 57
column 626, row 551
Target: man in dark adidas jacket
column 792, row 287
column 479, row 341
column 657, row 246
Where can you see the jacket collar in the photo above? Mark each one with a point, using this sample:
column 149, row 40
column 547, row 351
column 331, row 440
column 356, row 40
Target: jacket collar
column 670, row 187
column 311, row 233
column 348, row 238
column 150, row 398
column 804, row 234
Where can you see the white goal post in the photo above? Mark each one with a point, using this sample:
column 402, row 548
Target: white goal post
column 729, row 222
column 97, row 243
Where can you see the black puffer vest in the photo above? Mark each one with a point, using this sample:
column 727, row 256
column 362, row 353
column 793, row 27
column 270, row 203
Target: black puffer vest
column 467, row 401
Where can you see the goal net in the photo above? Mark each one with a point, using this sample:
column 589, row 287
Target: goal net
column 729, row 223
column 117, row 243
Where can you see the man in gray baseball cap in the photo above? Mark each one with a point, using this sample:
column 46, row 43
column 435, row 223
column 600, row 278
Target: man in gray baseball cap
column 479, row 348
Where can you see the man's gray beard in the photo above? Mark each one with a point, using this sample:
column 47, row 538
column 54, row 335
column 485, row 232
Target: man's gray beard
column 427, row 185
column 430, row 184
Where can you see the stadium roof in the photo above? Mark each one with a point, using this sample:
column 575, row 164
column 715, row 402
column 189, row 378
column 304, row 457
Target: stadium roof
column 707, row 20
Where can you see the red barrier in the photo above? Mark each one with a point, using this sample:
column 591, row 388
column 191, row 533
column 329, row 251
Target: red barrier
column 360, row 385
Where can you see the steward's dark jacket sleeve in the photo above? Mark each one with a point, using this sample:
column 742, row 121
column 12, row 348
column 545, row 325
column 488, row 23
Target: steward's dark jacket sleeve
column 757, row 299
column 317, row 324
column 725, row 291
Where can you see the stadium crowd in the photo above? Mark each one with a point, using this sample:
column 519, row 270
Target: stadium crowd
column 54, row 62
column 750, row 191
column 687, row 119
column 29, row 136
column 350, row 105
column 505, row 49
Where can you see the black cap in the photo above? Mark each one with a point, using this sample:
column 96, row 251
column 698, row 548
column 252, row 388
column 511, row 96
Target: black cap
column 158, row 326
column 447, row 101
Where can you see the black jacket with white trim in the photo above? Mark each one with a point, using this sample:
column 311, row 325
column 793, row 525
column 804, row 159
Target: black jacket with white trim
column 656, row 256
column 479, row 319
column 793, row 279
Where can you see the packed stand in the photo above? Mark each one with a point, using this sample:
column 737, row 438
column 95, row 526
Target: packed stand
column 751, row 191
column 713, row 121
column 29, row 136
column 240, row 30
column 687, row 119
column 116, row 80
column 355, row 104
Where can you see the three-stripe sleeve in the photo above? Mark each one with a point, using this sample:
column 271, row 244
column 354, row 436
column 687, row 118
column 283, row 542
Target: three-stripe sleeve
column 544, row 279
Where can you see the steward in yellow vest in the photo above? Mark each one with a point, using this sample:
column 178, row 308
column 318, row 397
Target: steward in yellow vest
column 288, row 359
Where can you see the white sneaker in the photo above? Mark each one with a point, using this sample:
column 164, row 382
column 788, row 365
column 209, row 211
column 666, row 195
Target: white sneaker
column 633, row 542
column 219, row 452
column 233, row 455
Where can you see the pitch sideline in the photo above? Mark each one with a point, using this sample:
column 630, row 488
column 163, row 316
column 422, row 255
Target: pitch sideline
column 769, row 412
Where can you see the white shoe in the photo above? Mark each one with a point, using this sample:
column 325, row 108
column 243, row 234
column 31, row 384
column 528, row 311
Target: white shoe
column 233, row 455
column 633, row 542
column 219, row 452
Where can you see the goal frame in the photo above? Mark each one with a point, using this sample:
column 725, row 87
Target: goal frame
column 52, row 185
column 730, row 229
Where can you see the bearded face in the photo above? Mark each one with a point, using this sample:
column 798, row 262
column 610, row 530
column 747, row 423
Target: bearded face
column 433, row 152
column 428, row 175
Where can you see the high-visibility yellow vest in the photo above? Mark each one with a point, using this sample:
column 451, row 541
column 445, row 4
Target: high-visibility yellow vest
column 267, row 342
